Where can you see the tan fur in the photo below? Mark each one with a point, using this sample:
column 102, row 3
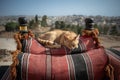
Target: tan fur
column 61, row 37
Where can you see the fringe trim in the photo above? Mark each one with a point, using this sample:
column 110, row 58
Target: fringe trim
column 94, row 34
column 110, row 71
column 14, row 64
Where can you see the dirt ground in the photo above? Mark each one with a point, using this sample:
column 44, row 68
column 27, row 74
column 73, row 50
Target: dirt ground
column 110, row 41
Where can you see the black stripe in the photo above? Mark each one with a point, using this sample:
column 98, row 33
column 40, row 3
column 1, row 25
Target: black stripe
column 19, row 66
column 3, row 70
column 115, row 51
column 80, row 67
column 23, row 41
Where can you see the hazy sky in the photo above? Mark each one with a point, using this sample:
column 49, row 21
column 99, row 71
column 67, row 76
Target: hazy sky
column 60, row 7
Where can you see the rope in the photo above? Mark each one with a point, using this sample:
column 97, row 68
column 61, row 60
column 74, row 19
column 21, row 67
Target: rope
column 110, row 71
column 18, row 37
column 94, row 34
column 14, row 64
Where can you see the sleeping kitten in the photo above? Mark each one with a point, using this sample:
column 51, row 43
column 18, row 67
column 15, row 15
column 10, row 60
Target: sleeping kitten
column 56, row 38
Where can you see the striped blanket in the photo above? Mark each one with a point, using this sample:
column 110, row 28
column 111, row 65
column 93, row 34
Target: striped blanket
column 85, row 66
column 86, row 63
column 31, row 46
column 40, row 63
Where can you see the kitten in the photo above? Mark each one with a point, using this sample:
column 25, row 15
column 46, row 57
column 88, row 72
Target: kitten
column 56, row 38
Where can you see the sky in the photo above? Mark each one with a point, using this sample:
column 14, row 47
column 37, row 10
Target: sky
column 60, row 7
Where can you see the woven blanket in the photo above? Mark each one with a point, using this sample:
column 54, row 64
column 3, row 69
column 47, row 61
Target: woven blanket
column 40, row 63
column 31, row 46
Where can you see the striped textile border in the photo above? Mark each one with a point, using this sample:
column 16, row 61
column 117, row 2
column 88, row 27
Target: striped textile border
column 5, row 73
column 89, row 66
column 79, row 67
column 50, row 66
column 113, row 54
column 28, row 45
column 114, row 60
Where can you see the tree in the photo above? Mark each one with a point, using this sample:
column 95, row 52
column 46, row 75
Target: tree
column 62, row 25
column 57, row 24
column 113, row 30
column 44, row 21
column 36, row 18
column 31, row 24
column 11, row 26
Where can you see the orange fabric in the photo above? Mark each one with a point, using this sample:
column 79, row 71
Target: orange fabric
column 94, row 34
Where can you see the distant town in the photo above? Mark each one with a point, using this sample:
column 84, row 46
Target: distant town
column 70, row 19
column 101, row 21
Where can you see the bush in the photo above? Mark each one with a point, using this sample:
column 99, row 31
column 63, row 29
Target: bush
column 11, row 26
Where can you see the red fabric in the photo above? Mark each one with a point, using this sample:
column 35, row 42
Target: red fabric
column 37, row 67
column 60, row 68
column 58, row 51
column 36, row 48
column 51, row 64
column 88, row 42
column 99, row 61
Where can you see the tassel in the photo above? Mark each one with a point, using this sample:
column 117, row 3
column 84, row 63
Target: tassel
column 110, row 71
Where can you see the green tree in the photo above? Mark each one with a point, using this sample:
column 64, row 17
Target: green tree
column 11, row 26
column 106, row 28
column 62, row 25
column 113, row 30
column 57, row 24
column 36, row 19
column 44, row 21
column 31, row 24
column 79, row 29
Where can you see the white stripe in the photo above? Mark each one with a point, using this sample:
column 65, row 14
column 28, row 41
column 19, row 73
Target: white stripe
column 73, row 66
column 27, row 66
column 86, row 65
column 30, row 45
column 116, row 57
column 91, row 65
column 22, row 65
column 47, row 51
column 6, row 74
column 26, row 45
column 67, row 56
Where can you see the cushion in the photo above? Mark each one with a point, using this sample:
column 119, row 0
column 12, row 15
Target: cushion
column 46, row 66
column 32, row 46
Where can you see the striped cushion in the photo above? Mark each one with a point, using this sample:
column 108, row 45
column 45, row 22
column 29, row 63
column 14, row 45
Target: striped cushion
column 32, row 46
column 114, row 60
column 46, row 66
column 85, row 44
